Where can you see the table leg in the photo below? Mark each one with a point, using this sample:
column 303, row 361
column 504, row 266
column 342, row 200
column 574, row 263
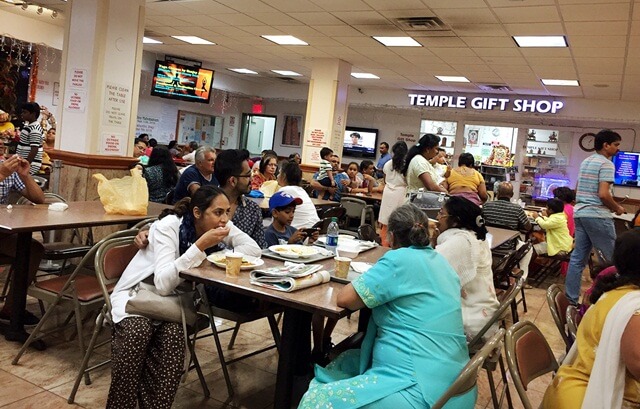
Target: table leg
column 19, row 282
column 295, row 353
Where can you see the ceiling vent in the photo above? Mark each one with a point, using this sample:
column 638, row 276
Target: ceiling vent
column 421, row 24
column 495, row 87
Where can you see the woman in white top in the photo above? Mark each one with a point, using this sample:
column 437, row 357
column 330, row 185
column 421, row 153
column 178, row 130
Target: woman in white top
column 417, row 169
column 148, row 355
column 395, row 187
column 289, row 180
column 462, row 242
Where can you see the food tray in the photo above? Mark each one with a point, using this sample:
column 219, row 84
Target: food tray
column 311, row 259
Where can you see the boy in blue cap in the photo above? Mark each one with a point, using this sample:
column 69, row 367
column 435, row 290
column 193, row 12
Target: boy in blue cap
column 283, row 207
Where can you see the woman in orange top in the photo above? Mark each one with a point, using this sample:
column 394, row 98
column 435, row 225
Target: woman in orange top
column 267, row 171
column 467, row 182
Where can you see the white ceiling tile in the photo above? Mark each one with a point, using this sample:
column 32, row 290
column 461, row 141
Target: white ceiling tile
column 200, row 20
column 542, row 63
column 423, row 59
column 498, row 52
column 239, row 20
column 317, row 18
column 597, row 41
column 602, row 52
column 460, row 16
column 395, row 5
column 632, row 67
column 565, row 91
column 516, row 76
column 302, row 32
column 323, row 40
column 405, row 13
column 340, row 30
column 453, row 52
column 256, row 6
column 612, row 28
column 262, row 30
column 600, row 65
column 611, row 93
column 534, row 29
column 588, row 3
column 209, row 7
column 454, row 4
column 454, row 61
column 634, row 42
column 168, row 9
column 361, row 17
column 388, row 30
column 230, row 31
column 510, row 3
column 595, row 12
column 341, row 5
column 601, row 78
column 537, row 14
column 482, row 30
column 288, row 6
column 532, row 53
column 490, row 42
column 506, row 61
column 168, row 21
column 436, row 42
column 502, row 68
column 566, row 72
column 169, row 31
column 274, row 18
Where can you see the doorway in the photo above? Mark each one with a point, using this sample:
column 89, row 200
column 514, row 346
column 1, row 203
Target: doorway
column 257, row 133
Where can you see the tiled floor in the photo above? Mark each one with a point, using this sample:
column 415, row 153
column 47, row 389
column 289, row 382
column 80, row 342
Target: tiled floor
column 44, row 379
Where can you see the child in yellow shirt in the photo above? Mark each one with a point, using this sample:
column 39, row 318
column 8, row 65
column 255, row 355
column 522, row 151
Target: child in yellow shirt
column 558, row 239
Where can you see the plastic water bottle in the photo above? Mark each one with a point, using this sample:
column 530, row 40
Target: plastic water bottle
column 332, row 235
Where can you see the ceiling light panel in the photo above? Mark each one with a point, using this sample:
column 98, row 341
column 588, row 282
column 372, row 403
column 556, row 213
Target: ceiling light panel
column 540, row 41
column 147, row 40
column 448, row 78
column 242, row 71
column 194, row 40
column 398, row 41
column 364, row 75
column 562, row 83
column 287, row 73
column 284, row 39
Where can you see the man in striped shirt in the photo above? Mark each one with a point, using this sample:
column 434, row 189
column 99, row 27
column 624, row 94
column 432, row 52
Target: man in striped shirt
column 592, row 212
column 30, row 144
column 502, row 213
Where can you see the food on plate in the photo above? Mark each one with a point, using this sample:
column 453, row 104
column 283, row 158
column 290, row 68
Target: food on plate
column 223, row 260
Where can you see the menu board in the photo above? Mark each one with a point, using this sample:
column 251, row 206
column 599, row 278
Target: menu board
column 626, row 165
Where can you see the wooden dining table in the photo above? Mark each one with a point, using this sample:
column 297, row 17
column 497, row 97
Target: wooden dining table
column 23, row 220
column 501, row 236
column 375, row 197
column 299, row 306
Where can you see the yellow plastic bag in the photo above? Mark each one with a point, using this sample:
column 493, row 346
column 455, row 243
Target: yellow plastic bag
column 269, row 188
column 128, row 195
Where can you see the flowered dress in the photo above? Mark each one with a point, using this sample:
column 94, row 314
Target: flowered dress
column 415, row 345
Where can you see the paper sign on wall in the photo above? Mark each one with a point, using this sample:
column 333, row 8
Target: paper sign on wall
column 75, row 101
column 112, row 143
column 116, row 105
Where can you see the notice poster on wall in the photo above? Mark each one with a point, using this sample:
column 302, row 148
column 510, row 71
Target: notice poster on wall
column 75, row 101
column 117, row 99
column 112, row 143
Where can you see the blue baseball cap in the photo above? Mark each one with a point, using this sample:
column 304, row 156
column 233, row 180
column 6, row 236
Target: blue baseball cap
column 282, row 199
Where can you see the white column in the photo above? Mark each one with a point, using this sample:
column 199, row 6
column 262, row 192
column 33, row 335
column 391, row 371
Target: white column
column 101, row 76
column 327, row 106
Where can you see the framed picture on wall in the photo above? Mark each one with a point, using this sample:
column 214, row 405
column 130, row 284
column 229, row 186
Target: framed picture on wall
column 292, row 130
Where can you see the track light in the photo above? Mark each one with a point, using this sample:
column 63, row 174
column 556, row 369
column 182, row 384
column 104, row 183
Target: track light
column 40, row 10
column 54, row 14
column 24, row 6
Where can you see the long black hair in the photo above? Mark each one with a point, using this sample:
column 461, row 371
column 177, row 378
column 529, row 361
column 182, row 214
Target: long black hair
column 466, row 215
column 626, row 258
column 428, row 141
column 201, row 199
column 162, row 157
column 399, row 150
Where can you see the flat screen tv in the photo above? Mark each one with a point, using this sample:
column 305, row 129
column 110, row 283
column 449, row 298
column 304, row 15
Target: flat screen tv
column 360, row 142
column 177, row 81
column 627, row 169
column 543, row 187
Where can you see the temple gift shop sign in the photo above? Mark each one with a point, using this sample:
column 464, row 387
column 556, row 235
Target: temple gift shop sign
column 409, row 137
column 540, row 106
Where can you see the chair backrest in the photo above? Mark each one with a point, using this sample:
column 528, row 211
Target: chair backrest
column 528, row 357
column 353, row 207
column 112, row 256
column 169, row 198
column 368, row 232
column 558, row 303
column 573, row 320
column 144, row 222
column 499, row 315
column 48, row 199
column 335, row 211
column 501, row 271
column 468, row 377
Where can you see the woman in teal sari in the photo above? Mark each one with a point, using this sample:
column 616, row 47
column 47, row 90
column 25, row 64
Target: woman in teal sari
column 415, row 345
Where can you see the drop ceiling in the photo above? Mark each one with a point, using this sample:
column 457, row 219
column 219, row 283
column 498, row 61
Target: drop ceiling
column 474, row 40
